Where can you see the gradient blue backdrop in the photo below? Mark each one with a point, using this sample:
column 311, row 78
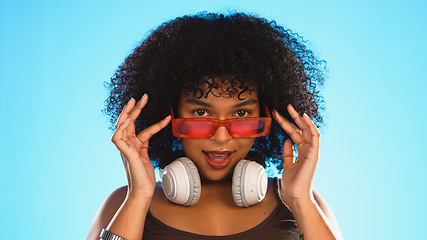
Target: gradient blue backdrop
column 58, row 164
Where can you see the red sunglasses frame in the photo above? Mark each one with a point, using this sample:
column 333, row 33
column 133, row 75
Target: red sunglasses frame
column 218, row 123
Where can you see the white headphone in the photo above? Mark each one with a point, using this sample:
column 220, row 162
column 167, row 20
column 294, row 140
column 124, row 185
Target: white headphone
column 181, row 182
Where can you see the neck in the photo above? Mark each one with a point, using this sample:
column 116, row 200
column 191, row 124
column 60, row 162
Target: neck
column 217, row 193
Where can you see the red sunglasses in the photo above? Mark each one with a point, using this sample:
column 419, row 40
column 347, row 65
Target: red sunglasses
column 242, row 127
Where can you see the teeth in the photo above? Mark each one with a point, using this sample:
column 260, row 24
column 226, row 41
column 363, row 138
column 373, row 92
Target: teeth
column 217, row 156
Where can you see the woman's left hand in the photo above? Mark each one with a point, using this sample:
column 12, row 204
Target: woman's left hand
column 297, row 177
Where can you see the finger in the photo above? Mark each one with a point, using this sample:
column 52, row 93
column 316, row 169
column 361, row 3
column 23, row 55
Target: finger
column 306, row 133
column 144, row 153
column 117, row 137
column 313, row 129
column 294, row 132
column 124, row 114
column 138, row 107
column 288, row 153
column 147, row 133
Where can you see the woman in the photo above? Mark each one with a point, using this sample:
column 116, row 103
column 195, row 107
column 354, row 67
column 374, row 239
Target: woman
column 205, row 86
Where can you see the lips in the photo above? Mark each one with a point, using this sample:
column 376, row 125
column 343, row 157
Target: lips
column 218, row 159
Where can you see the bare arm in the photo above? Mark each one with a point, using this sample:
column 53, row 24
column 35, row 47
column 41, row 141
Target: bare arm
column 315, row 219
column 130, row 206
column 311, row 213
column 324, row 206
column 106, row 212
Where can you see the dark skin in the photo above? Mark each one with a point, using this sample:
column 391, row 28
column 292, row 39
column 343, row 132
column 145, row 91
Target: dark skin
column 189, row 220
column 220, row 214
column 124, row 211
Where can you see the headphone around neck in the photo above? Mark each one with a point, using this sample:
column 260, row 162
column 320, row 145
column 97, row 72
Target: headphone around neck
column 181, row 182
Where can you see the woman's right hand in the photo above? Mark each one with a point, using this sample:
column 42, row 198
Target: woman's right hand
column 134, row 148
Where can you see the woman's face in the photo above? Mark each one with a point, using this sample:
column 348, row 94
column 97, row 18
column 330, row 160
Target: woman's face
column 215, row 157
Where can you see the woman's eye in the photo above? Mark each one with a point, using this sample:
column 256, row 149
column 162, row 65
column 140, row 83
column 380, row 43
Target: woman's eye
column 242, row 113
column 200, row 112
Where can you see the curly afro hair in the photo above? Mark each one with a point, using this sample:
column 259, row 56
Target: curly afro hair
column 240, row 50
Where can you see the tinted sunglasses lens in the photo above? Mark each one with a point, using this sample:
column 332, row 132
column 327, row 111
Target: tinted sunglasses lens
column 196, row 128
column 247, row 127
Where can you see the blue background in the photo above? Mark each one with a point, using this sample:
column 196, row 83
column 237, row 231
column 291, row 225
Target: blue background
column 57, row 161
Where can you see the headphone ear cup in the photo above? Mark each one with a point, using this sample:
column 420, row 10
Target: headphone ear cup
column 249, row 184
column 181, row 182
column 237, row 184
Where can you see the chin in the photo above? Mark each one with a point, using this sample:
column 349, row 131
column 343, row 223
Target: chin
column 217, row 177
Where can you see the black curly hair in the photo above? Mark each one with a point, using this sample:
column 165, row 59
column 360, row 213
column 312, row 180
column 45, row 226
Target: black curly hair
column 240, row 50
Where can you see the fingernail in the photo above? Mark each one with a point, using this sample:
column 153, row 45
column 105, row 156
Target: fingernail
column 126, row 121
column 144, row 96
column 130, row 100
column 167, row 118
column 274, row 112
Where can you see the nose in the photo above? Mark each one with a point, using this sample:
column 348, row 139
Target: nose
column 221, row 135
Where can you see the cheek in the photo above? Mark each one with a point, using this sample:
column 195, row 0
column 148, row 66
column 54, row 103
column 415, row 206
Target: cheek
column 245, row 127
column 245, row 144
column 191, row 146
column 196, row 128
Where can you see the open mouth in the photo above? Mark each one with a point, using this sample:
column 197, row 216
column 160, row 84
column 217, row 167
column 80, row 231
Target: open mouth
column 218, row 160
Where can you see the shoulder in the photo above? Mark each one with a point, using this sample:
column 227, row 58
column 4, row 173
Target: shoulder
column 106, row 212
column 324, row 206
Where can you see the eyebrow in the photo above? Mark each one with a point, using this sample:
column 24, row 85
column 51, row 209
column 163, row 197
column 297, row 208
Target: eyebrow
column 193, row 101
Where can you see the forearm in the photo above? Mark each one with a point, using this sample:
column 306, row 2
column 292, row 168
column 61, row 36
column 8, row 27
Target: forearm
column 129, row 220
column 312, row 222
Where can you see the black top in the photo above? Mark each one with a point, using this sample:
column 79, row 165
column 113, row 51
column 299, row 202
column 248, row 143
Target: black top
column 279, row 225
